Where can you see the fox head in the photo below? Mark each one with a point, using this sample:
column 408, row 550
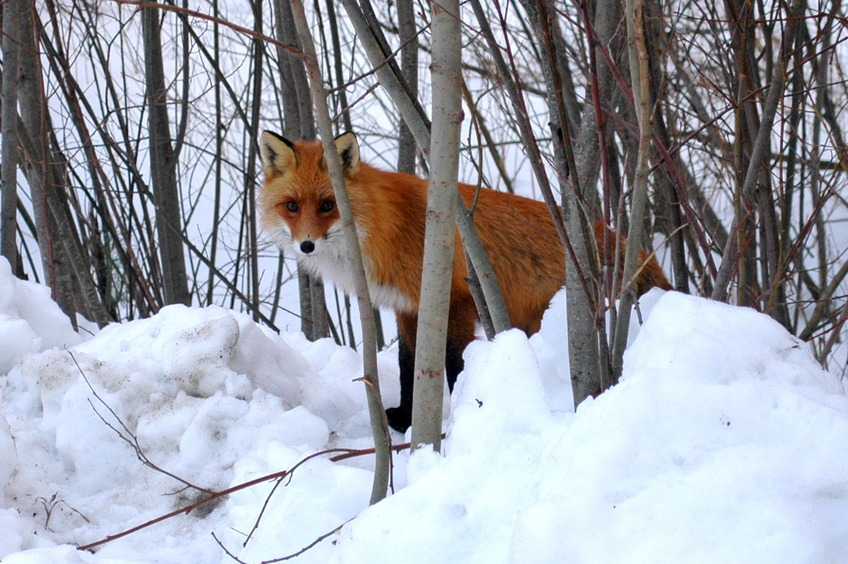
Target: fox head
column 297, row 203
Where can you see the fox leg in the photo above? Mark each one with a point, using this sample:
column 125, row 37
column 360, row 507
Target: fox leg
column 461, row 322
column 400, row 418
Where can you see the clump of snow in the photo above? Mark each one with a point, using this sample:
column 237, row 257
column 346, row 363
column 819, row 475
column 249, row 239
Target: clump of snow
column 723, row 442
column 29, row 320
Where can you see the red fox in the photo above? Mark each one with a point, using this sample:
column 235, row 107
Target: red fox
column 298, row 210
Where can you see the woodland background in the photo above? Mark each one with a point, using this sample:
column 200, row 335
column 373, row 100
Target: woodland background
column 130, row 164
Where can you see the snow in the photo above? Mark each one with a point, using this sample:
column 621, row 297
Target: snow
column 724, row 442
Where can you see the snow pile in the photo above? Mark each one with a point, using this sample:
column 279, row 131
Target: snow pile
column 29, row 320
column 724, row 442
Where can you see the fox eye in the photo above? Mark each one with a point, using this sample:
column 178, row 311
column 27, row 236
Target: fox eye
column 326, row 206
column 292, row 207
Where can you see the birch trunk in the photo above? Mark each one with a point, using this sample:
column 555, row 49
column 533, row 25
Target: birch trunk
column 440, row 231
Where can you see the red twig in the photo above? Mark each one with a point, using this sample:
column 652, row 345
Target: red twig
column 343, row 454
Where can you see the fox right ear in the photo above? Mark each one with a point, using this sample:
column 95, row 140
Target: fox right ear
column 348, row 148
column 277, row 153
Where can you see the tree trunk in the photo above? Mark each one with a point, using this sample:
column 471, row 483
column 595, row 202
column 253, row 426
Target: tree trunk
column 379, row 424
column 409, row 68
column 752, row 172
column 440, row 231
column 17, row 14
column 163, row 178
column 584, row 335
column 257, row 70
column 299, row 123
column 640, row 85
column 9, row 174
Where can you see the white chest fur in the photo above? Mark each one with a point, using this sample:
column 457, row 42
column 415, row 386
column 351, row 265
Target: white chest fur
column 331, row 261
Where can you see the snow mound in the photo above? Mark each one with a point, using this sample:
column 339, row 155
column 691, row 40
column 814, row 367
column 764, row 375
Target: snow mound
column 29, row 320
column 202, row 393
column 724, row 441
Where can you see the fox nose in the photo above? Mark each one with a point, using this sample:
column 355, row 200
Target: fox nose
column 307, row 246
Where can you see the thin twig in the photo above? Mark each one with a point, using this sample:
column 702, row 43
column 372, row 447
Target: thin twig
column 345, row 453
column 130, row 438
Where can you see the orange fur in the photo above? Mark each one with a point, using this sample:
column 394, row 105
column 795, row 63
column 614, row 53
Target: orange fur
column 389, row 210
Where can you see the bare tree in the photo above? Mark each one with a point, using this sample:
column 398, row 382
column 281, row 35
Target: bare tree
column 31, row 139
column 299, row 123
column 62, row 255
column 163, row 165
column 379, row 425
column 638, row 57
column 585, row 339
column 753, row 148
column 439, row 240
column 408, row 36
column 12, row 18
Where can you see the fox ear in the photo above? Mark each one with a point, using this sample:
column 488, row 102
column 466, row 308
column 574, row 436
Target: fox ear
column 277, row 153
column 348, row 148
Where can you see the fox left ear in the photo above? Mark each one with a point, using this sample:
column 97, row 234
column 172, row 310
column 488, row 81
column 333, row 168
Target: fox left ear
column 277, row 153
column 348, row 148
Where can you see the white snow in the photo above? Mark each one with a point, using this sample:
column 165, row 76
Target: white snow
column 725, row 442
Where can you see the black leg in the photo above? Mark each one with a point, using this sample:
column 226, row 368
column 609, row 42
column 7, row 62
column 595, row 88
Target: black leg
column 400, row 418
column 453, row 363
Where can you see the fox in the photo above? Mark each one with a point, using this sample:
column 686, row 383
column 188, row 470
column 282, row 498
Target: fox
column 298, row 211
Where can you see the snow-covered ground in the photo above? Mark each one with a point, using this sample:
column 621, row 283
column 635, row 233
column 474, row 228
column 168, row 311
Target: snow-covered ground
column 724, row 443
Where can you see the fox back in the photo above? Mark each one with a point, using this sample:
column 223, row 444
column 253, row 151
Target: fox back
column 299, row 211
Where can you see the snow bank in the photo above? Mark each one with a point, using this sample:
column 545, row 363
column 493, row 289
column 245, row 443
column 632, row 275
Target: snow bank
column 724, row 442
column 204, row 394
column 29, row 320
